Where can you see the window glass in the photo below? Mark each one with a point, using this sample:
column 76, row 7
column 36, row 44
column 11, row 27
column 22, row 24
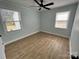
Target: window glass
column 62, row 19
column 11, row 19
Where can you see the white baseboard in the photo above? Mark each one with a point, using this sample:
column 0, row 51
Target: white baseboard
column 20, row 38
column 55, row 34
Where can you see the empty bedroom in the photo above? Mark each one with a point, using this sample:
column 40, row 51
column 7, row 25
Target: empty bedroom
column 39, row 29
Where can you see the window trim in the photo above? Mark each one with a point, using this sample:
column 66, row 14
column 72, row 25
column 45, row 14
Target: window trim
column 4, row 22
column 67, row 20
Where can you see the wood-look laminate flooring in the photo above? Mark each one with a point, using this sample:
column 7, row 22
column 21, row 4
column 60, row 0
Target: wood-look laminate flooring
column 39, row 46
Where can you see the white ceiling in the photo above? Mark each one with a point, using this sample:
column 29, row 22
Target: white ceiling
column 0, row 0
column 57, row 3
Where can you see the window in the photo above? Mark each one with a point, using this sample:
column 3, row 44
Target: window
column 62, row 19
column 11, row 19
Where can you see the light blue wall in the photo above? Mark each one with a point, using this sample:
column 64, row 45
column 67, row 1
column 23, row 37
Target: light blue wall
column 75, row 34
column 29, row 21
column 0, row 28
column 48, row 20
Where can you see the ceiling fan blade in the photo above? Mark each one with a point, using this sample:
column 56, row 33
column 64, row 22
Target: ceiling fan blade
column 46, row 8
column 41, row 1
column 49, row 4
column 37, row 2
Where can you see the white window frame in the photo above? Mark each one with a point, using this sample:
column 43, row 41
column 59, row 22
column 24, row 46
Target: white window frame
column 64, row 26
column 4, row 20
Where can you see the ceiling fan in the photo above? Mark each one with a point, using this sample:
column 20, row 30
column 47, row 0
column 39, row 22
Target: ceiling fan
column 41, row 5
